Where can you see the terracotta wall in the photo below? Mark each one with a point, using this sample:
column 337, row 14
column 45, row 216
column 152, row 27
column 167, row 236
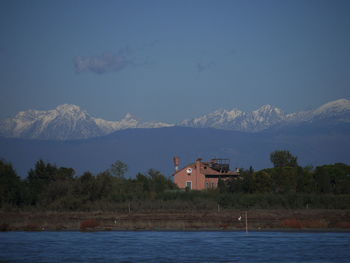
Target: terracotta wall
column 211, row 183
column 197, row 179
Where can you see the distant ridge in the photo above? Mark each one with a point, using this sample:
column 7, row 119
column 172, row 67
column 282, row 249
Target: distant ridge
column 68, row 122
column 142, row 149
column 268, row 116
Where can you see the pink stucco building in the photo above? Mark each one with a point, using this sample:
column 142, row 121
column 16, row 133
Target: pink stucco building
column 202, row 175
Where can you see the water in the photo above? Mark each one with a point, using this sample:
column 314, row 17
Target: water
column 174, row 246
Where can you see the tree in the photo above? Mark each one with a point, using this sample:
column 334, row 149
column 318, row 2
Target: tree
column 105, row 184
column 39, row 178
column 283, row 159
column 222, row 186
column 263, row 182
column 44, row 175
column 119, row 169
column 10, row 185
column 333, row 178
column 248, row 181
column 285, row 179
column 64, row 174
column 306, row 181
column 158, row 181
column 143, row 181
column 86, row 187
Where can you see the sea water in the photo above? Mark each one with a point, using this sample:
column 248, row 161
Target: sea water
column 174, row 246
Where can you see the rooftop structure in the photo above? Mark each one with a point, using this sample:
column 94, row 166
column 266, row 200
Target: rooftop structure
column 202, row 175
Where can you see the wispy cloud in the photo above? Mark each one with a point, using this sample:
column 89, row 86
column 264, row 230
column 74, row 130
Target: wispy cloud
column 201, row 66
column 206, row 62
column 104, row 63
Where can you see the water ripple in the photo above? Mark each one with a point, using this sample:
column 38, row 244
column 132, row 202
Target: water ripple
column 168, row 247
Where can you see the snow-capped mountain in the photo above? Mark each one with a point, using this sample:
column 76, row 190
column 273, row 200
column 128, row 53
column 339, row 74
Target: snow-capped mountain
column 268, row 116
column 66, row 122
column 71, row 122
column 129, row 121
column 235, row 119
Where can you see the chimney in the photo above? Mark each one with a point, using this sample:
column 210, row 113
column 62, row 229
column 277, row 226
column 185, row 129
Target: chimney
column 176, row 163
column 198, row 165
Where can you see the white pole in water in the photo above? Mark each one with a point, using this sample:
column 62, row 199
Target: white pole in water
column 246, row 222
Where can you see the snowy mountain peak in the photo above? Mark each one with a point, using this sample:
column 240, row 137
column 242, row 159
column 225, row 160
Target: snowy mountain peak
column 266, row 107
column 70, row 111
column 30, row 114
column 269, row 109
column 340, row 105
column 68, row 108
column 129, row 116
column 236, row 119
column 268, row 116
column 66, row 121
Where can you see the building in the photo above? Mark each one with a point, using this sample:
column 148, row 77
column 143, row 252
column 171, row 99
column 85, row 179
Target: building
column 202, row 175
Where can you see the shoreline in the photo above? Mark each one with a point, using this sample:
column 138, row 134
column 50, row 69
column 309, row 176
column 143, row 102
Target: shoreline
column 258, row 220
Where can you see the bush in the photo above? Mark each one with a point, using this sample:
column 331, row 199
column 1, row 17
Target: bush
column 89, row 224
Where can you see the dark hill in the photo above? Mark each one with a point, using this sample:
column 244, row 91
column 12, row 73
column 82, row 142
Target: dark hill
column 142, row 149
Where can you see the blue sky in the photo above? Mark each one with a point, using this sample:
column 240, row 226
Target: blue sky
column 171, row 60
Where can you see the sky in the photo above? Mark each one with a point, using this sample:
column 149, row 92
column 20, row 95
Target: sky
column 172, row 60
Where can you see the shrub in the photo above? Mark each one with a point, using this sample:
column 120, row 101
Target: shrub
column 89, row 224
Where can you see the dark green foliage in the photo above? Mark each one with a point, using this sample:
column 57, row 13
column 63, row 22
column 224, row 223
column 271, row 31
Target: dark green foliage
column 305, row 180
column 47, row 182
column 11, row 187
column 286, row 201
column 49, row 187
column 333, row 179
column 119, row 169
column 284, row 179
column 222, row 186
column 283, row 159
column 262, row 181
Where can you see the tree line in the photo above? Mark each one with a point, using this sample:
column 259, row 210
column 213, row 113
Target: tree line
column 288, row 177
column 286, row 185
column 57, row 188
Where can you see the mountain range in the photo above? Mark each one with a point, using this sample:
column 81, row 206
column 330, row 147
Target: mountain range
column 68, row 122
column 268, row 116
column 68, row 136
column 142, row 149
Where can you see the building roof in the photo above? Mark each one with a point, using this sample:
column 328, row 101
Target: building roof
column 207, row 170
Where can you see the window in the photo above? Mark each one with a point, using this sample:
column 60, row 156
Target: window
column 189, row 185
column 206, row 185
